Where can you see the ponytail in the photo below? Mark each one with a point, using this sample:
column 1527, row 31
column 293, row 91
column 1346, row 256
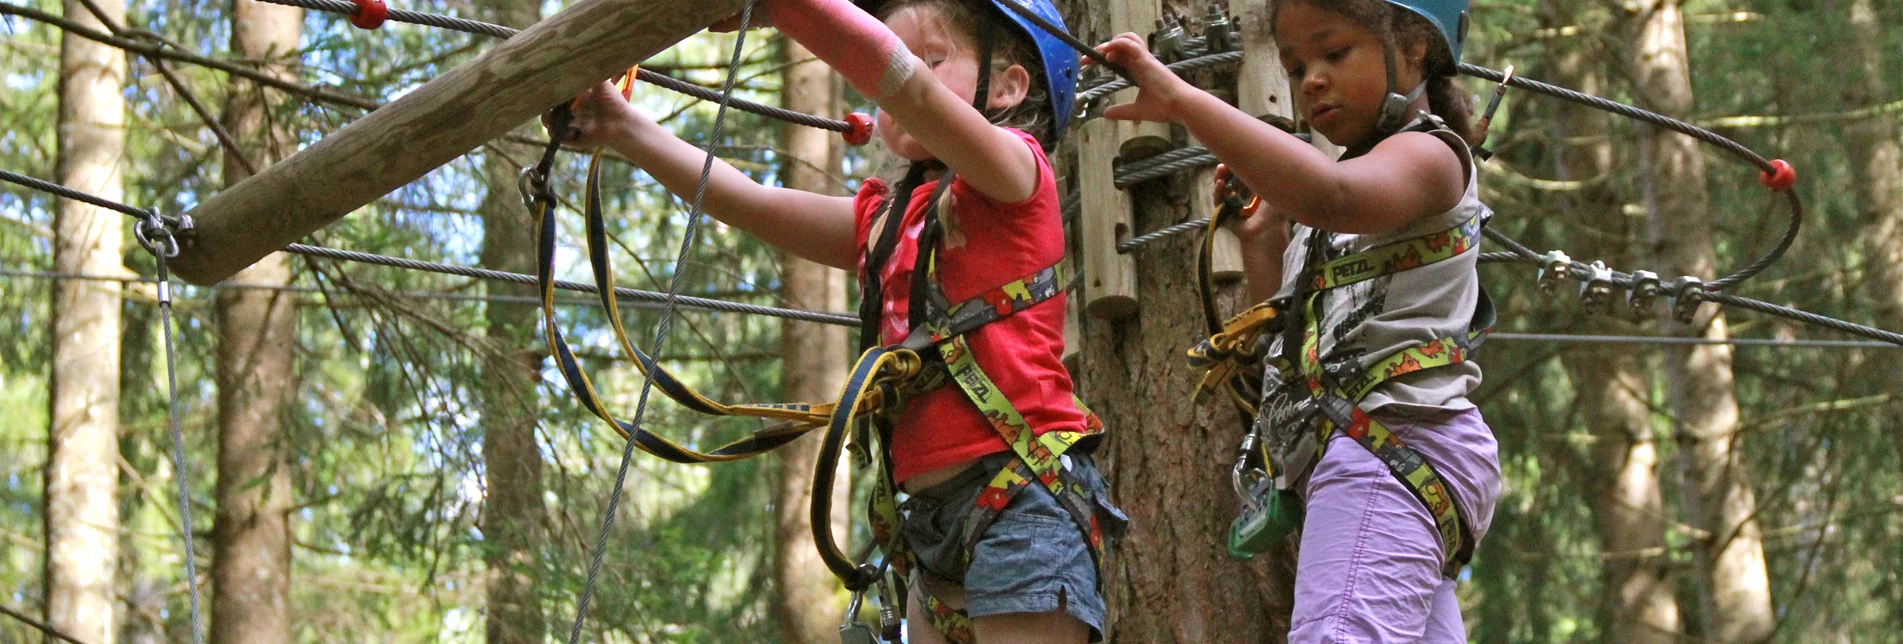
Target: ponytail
column 1451, row 101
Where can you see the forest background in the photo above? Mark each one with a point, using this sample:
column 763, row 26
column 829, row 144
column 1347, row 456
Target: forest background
column 383, row 455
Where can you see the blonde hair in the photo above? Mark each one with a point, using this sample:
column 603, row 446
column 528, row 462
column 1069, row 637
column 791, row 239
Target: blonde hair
column 1010, row 46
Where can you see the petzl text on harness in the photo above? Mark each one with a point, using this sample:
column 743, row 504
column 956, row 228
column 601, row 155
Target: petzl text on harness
column 1306, row 396
column 938, row 346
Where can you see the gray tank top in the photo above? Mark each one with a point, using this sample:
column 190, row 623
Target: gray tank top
column 1394, row 312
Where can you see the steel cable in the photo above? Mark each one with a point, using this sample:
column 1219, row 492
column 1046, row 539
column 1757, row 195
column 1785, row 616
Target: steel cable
column 667, row 318
column 688, row 301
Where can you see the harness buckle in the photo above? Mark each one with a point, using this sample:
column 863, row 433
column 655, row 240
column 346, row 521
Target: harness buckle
column 1595, row 293
column 1344, row 369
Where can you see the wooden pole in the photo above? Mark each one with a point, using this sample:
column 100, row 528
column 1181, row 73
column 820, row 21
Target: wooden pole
column 447, row 117
column 1110, row 281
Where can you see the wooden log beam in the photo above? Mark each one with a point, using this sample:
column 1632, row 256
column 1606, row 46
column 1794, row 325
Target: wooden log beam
column 447, row 117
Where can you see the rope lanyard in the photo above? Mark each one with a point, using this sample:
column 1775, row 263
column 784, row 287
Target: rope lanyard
column 156, row 235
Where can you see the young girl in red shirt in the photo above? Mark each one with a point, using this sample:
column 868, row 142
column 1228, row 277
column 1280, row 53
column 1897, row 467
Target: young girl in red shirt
column 1030, row 573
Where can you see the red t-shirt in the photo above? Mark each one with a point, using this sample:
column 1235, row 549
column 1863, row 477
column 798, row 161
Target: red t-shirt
column 1022, row 353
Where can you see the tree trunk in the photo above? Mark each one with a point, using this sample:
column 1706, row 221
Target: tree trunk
column 1735, row 593
column 1876, row 167
column 257, row 333
column 1626, row 499
column 82, row 474
column 1167, row 459
column 513, row 514
column 813, row 368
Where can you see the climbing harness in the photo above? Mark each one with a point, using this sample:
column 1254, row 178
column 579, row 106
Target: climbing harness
column 161, row 237
column 1307, row 396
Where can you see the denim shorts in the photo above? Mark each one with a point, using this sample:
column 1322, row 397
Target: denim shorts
column 1033, row 559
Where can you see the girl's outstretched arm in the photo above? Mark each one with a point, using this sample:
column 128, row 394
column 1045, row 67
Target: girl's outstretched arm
column 813, row 226
column 872, row 58
column 1403, row 178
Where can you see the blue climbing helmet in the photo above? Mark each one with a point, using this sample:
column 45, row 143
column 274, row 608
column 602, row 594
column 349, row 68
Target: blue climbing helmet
column 1449, row 17
column 1058, row 60
column 1053, row 54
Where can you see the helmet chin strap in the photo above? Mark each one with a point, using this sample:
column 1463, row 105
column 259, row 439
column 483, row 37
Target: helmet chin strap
column 1394, row 108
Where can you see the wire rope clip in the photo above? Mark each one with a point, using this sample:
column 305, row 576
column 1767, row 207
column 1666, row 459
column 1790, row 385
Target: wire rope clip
column 1686, row 294
column 1556, row 268
column 370, row 14
column 1218, row 31
column 858, row 129
column 1644, row 295
column 1168, row 41
column 851, row 630
column 1780, row 177
column 1595, row 294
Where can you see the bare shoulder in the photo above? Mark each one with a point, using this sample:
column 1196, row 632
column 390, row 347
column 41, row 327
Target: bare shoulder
column 1428, row 164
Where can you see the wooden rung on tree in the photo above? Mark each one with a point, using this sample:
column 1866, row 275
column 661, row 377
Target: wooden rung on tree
column 447, row 117
column 1138, row 139
column 1110, row 282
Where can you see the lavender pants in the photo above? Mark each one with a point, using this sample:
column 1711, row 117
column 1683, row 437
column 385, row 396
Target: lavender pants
column 1370, row 562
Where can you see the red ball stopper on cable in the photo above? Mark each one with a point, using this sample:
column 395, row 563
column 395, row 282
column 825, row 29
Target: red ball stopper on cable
column 1780, row 178
column 859, row 129
column 370, row 14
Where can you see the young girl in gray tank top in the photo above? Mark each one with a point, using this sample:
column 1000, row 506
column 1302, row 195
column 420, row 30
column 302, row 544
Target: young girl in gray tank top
column 1375, row 76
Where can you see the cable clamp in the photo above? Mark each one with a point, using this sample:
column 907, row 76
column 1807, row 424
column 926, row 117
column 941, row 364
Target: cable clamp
column 1218, row 31
column 1555, row 269
column 1644, row 294
column 1168, row 41
column 1687, row 293
column 1595, row 293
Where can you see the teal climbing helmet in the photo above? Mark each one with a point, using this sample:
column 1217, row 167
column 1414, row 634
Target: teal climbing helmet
column 1449, row 17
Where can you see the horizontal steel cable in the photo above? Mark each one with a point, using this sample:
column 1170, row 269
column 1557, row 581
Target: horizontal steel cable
column 69, row 193
column 1165, row 164
column 518, row 278
column 1161, row 233
column 653, row 78
column 1101, row 90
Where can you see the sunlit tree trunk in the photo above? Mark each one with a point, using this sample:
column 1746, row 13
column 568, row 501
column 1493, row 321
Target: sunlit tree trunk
column 1627, row 502
column 813, row 367
column 1735, row 588
column 82, row 511
column 257, row 333
column 513, row 514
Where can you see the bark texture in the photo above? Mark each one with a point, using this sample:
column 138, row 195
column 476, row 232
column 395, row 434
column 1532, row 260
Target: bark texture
column 1735, row 589
column 257, row 336
column 82, row 511
column 513, row 514
column 814, row 365
column 1167, row 460
column 1629, row 506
